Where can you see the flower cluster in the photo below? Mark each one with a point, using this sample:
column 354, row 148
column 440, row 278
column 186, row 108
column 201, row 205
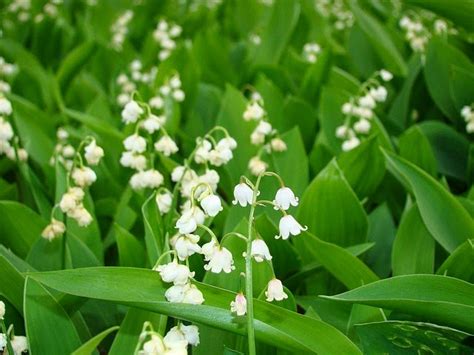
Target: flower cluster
column 129, row 84
column 467, row 113
column 359, row 110
column 311, row 52
column 21, row 8
column 80, row 176
column 170, row 88
column 50, row 9
column 264, row 135
column 19, row 344
column 175, row 342
column 245, row 194
column 337, row 12
column 8, row 141
column 119, row 30
column 64, row 152
column 417, row 30
column 166, row 34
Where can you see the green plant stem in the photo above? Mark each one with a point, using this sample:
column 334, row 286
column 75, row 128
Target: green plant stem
column 4, row 330
column 248, row 273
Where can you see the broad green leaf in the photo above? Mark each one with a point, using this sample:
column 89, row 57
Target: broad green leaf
column 300, row 113
column 331, row 209
column 127, row 337
column 458, row 11
column 11, row 283
column 414, row 246
column 416, row 148
column 47, row 322
column 401, row 337
column 277, row 32
column 440, row 299
column 380, row 41
column 461, row 87
column 440, row 57
column 444, row 216
column 73, row 63
column 19, row 236
column 315, row 76
column 273, row 325
column 363, row 167
column 131, row 251
column 91, row 345
column 154, row 238
column 49, row 255
column 80, row 253
column 339, row 262
column 459, row 263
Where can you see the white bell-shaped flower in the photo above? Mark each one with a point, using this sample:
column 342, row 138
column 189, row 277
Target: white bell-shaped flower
column 350, row 144
column 284, row 198
column 133, row 160
column 185, row 245
column 81, row 216
column 153, row 346
column 227, row 143
column 278, row 145
column 260, row 251
column 187, row 293
column 189, row 334
column 362, row 126
column 275, row 291
column 289, row 226
column 131, row 112
column 379, row 94
column 164, row 200
column 178, row 274
column 257, row 166
column 54, row 229
column 135, row 143
column 367, row 101
column 253, row 111
column 93, row 153
column 146, row 179
column 189, row 220
column 219, row 258
column 243, row 195
column 386, row 75
column 6, row 130
column 71, row 199
column 2, row 312
column 239, row 305
column 84, row 176
column 211, row 205
column 5, row 106
column 153, row 123
column 203, row 152
column 166, row 145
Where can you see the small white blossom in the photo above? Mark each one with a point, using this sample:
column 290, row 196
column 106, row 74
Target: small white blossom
column 153, row 123
column 289, row 226
column 278, row 145
column 156, row 102
column 146, row 179
column 189, row 220
column 81, row 215
column 275, row 291
column 164, row 201
column 211, row 205
column 254, row 112
column 342, row 131
column 84, row 176
column 188, row 293
column 284, row 198
column 178, row 274
column 379, row 94
column 178, row 95
column 239, row 305
column 54, row 229
column 5, row 106
column 133, row 160
column 350, row 144
column 386, row 75
column 6, row 130
column 185, row 245
column 2, row 312
column 203, row 152
column 93, row 153
column 71, row 199
column 166, row 145
column 243, row 195
column 219, row 258
column 362, row 126
column 131, row 112
column 182, row 333
column 260, row 251
column 367, row 101
column 135, row 143
column 257, row 166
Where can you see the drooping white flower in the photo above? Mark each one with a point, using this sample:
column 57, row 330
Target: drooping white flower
column 71, row 199
column 131, row 112
column 220, row 156
column 187, row 333
column 19, row 344
column 211, row 205
column 164, row 201
column 210, row 177
column 347, row 108
column 219, row 258
column 2, row 311
column 278, row 145
column 153, row 123
column 257, row 166
column 379, row 93
column 227, row 143
column 135, row 143
column 166, row 145
column 342, row 131
column 253, row 111
column 350, row 144
column 243, row 195
column 179, row 95
column 367, row 101
column 260, row 251
column 153, row 346
column 202, row 152
column 187, row 293
column 178, row 274
column 84, row 176
column 54, row 229
column 93, row 153
column 191, row 333
column 81, row 216
column 68, row 151
column 156, row 102
column 275, row 291
column 289, row 226
column 239, row 305
column 284, row 198
column 146, row 179
column 386, row 75
column 6, row 130
column 133, row 160
column 5, row 106
column 362, row 126
column 189, row 220
column 185, row 245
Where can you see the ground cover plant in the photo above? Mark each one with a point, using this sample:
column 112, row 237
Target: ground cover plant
column 236, row 177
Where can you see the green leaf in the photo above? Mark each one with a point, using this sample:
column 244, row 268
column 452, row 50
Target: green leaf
column 440, row 299
column 91, row 345
column 277, row 32
column 380, row 41
column 19, row 236
column 444, row 216
column 416, row 148
column 398, row 338
column 11, row 283
column 73, row 63
column 154, row 238
column 131, row 251
column 414, row 246
column 315, row 76
column 331, row 209
column 459, row 263
column 47, row 322
column 273, row 325
column 458, row 11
